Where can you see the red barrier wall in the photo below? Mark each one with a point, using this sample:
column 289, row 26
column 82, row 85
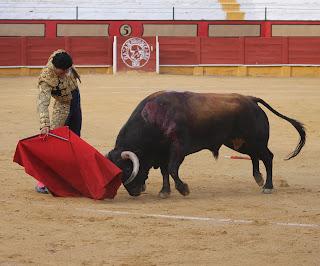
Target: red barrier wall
column 179, row 50
column 222, row 51
column 239, row 51
column 10, row 51
column 91, row 51
column 34, row 51
column 30, row 51
column 304, row 51
column 37, row 50
column 263, row 51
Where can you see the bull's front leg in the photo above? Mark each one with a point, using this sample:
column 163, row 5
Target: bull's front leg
column 165, row 190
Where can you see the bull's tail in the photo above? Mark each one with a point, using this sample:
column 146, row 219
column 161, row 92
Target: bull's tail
column 298, row 126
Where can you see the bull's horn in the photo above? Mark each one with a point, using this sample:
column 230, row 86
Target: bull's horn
column 125, row 155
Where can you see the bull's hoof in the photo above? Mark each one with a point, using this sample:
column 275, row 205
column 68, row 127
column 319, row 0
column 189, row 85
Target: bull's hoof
column 143, row 188
column 260, row 183
column 259, row 180
column 183, row 189
column 164, row 194
column 267, row 190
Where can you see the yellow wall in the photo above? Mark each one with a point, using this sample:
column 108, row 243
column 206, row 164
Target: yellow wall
column 23, row 71
column 243, row 71
column 237, row 71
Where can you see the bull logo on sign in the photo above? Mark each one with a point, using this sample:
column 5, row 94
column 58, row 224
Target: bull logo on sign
column 135, row 52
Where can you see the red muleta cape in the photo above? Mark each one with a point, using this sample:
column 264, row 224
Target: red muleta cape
column 68, row 166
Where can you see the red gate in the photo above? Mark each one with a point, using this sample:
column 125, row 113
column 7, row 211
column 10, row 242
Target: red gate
column 135, row 53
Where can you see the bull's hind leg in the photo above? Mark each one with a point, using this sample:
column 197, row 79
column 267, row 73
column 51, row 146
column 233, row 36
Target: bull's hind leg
column 255, row 165
column 165, row 190
column 244, row 149
column 175, row 160
column 256, row 172
column 267, row 157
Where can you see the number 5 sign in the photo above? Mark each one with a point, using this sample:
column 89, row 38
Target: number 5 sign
column 135, row 53
column 125, row 30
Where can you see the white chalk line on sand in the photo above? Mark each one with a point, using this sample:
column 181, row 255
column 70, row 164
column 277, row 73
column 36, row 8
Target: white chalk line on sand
column 195, row 218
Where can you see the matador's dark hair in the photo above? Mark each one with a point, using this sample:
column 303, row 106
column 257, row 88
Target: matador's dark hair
column 62, row 60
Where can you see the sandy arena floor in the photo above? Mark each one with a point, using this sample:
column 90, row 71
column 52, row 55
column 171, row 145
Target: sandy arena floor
column 278, row 229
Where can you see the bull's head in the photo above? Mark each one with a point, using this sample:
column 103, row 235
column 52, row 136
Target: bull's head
column 132, row 177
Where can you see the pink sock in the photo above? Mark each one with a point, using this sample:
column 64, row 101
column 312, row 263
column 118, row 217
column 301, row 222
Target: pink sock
column 39, row 184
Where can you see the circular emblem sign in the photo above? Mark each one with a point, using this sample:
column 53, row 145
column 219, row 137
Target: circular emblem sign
column 135, row 52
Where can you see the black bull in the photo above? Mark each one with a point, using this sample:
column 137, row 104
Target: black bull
column 167, row 126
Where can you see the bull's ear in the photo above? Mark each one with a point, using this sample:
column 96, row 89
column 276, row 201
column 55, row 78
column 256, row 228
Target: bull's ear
column 137, row 152
column 112, row 156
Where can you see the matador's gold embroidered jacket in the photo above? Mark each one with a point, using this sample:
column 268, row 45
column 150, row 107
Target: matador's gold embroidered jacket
column 51, row 85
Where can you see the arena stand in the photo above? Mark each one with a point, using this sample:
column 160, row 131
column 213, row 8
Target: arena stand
column 193, row 39
column 280, row 9
column 113, row 10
